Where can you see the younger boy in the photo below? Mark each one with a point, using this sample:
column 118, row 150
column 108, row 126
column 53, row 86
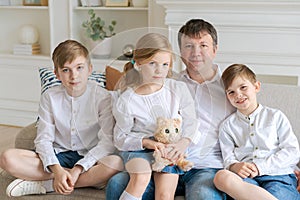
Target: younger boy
column 74, row 137
column 258, row 144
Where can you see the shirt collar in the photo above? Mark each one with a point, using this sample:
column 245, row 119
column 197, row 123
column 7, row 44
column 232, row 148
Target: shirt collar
column 251, row 116
column 184, row 75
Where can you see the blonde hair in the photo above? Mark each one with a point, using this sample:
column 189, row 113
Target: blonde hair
column 68, row 51
column 234, row 70
column 146, row 47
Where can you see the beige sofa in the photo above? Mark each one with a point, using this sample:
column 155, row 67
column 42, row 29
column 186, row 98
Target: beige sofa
column 286, row 98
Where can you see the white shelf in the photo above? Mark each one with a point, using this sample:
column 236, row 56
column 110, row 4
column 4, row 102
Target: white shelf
column 113, row 8
column 24, row 7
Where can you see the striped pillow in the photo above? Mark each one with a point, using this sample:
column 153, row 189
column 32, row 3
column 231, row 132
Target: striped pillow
column 48, row 78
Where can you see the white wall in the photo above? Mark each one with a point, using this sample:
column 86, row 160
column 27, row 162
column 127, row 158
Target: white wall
column 264, row 34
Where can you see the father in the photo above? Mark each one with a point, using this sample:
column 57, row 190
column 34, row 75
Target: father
column 198, row 44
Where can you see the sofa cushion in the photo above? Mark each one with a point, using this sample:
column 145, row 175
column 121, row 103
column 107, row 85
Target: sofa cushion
column 48, row 78
column 112, row 77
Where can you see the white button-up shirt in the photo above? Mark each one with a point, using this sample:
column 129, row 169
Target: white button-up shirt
column 212, row 107
column 83, row 124
column 136, row 115
column 265, row 138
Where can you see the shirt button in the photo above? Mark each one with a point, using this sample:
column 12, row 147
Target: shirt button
column 256, row 148
column 251, row 124
column 255, row 156
column 72, row 129
column 252, row 134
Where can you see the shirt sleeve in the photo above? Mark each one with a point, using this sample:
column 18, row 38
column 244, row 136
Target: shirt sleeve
column 288, row 150
column 227, row 145
column 187, row 110
column 106, row 122
column 124, row 138
column 45, row 133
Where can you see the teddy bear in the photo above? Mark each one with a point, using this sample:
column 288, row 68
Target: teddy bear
column 168, row 131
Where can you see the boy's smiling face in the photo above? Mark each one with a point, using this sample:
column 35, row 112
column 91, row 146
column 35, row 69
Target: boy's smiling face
column 74, row 76
column 242, row 94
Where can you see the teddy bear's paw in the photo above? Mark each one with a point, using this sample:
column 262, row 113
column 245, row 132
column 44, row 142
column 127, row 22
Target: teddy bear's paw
column 185, row 165
column 157, row 167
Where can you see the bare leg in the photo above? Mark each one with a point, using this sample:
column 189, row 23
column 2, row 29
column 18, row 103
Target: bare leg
column 234, row 186
column 165, row 185
column 32, row 168
column 140, row 174
column 100, row 173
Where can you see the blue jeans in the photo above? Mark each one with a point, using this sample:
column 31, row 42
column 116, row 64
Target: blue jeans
column 282, row 187
column 196, row 184
column 68, row 159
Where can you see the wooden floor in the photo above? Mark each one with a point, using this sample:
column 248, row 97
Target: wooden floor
column 7, row 136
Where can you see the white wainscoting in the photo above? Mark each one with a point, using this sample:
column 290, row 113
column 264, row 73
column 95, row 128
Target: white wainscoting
column 20, row 86
column 264, row 34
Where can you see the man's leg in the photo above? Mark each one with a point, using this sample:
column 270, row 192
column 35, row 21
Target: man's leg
column 199, row 185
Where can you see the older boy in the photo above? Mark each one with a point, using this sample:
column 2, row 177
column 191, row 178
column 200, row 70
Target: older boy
column 74, row 136
column 257, row 142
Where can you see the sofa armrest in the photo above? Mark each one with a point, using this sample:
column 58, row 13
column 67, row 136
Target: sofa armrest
column 26, row 136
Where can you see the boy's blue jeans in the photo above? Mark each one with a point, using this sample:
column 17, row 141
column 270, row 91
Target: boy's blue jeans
column 282, row 187
column 196, row 184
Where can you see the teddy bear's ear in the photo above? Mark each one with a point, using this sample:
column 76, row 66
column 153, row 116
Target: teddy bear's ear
column 160, row 121
column 177, row 121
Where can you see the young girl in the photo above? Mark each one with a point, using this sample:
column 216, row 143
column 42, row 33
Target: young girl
column 147, row 94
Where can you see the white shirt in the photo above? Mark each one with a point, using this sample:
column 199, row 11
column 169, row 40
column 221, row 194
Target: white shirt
column 265, row 138
column 212, row 107
column 83, row 124
column 136, row 114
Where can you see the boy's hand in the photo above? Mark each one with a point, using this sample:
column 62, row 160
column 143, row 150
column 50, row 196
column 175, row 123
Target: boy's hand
column 75, row 172
column 297, row 173
column 244, row 169
column 255, row 172
column 62, row 180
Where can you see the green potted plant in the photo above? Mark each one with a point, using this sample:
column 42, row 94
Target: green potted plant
column 99, row 35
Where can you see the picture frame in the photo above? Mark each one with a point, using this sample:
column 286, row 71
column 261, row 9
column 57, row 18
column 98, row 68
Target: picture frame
column 117, row 3
column 32, row 2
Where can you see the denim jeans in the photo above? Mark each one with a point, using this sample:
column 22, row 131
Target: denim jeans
column 196, row 184
column 282, row 187
column 68, row 159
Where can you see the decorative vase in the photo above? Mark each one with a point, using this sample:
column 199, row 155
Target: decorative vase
column 101, row 49
column 28, row 34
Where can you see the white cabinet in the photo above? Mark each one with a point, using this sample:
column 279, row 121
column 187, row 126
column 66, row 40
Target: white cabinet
column 60, row 20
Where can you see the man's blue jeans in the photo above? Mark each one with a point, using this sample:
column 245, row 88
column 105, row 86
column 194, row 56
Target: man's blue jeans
column 282, row 187
column 196, row 184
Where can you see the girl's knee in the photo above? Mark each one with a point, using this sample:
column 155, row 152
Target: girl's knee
column 138, row 166
column 113, row 161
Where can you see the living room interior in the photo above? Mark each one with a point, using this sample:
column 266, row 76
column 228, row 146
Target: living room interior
column 265, row 35
column 262, row 34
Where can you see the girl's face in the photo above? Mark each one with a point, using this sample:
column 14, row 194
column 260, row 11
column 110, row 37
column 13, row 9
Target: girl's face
column 242, row 94
column 155, row 69
column 74, row 76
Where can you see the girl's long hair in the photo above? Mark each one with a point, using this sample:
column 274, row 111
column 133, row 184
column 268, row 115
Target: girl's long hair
column 146, row 47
